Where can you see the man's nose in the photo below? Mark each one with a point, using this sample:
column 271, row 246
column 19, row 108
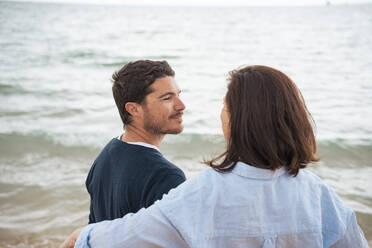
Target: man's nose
column 179, row 106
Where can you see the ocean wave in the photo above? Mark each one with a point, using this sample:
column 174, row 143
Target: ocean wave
column 19, row 144
column 346, row 154
column 117, row 64
column 8, row 89
column 183, row 146
column 121, row 62
column 21, row 91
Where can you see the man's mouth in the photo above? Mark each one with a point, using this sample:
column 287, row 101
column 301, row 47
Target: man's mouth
column 176, row 116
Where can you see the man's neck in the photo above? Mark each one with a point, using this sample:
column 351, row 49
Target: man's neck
column 134, row 134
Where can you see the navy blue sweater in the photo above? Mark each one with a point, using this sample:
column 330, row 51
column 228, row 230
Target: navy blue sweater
column 125, row 178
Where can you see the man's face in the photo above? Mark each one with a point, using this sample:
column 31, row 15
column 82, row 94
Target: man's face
column 163, row 108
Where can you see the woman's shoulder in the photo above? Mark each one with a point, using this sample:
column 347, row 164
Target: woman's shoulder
column 330, row 201
column 309, row 177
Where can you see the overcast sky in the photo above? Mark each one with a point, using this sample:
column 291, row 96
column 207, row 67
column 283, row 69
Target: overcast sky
column 212, row 2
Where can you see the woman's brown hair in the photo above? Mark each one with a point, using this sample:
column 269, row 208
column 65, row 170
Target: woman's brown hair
column 270, row 126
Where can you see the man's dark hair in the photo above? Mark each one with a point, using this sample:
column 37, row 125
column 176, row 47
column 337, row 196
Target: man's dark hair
column 270, row 126
column 132, row 83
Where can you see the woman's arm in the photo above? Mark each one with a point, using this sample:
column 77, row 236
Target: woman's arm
column 147, row 228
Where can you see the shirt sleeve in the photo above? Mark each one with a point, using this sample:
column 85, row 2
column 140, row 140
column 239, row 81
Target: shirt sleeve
column 353, row 236
column 147, row 228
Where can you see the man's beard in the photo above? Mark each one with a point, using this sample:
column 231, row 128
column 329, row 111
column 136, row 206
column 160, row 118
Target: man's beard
column 159, row 128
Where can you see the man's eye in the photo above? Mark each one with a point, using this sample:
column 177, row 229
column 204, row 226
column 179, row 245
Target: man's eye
column 167, row 98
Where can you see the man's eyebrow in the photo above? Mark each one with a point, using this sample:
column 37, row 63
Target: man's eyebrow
column 169, row 93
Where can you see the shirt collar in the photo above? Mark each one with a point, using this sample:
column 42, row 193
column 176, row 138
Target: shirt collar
column 140, row 144
column 143, row 144
column 249, row 171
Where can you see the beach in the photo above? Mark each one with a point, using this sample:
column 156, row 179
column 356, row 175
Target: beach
column 57, row 110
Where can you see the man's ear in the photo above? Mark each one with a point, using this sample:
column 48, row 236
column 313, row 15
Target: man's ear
column 133, row 108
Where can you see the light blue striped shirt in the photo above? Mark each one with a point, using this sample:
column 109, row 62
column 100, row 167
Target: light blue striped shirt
column 248, row 207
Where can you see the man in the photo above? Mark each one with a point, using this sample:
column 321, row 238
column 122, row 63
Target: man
column 130, row 173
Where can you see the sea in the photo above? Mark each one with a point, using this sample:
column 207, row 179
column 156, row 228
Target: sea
column 57, row 111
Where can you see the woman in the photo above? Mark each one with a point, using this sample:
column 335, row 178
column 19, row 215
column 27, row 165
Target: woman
column 257, row 193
